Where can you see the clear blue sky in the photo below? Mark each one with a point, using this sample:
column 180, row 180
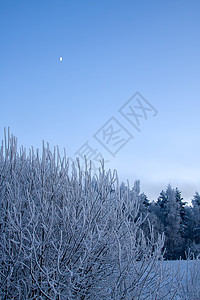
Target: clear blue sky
column 110, row 50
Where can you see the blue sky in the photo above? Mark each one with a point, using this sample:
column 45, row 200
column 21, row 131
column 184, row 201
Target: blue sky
column 111, row 50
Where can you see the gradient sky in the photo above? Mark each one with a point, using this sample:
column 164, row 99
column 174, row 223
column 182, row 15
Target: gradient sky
column 110, row 49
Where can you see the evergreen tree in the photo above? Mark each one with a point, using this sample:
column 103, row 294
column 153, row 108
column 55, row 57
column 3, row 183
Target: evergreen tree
column 170, row 205
column 196, row 217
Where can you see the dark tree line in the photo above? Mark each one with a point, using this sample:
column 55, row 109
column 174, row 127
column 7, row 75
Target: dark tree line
column 171, row 214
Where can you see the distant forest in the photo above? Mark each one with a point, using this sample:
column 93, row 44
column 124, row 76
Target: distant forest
column 170, row 214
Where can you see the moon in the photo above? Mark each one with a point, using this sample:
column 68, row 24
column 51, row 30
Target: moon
column 61, row 58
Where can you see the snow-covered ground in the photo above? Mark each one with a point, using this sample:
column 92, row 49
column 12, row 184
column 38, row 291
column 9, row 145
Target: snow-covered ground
column 182, row 278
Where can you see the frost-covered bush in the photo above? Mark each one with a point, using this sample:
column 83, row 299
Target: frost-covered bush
column 65, row 234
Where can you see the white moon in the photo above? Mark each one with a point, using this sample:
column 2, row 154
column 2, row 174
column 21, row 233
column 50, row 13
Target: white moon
column 61, row 58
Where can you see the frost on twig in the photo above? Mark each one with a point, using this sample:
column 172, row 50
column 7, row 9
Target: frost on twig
column 70, row 235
